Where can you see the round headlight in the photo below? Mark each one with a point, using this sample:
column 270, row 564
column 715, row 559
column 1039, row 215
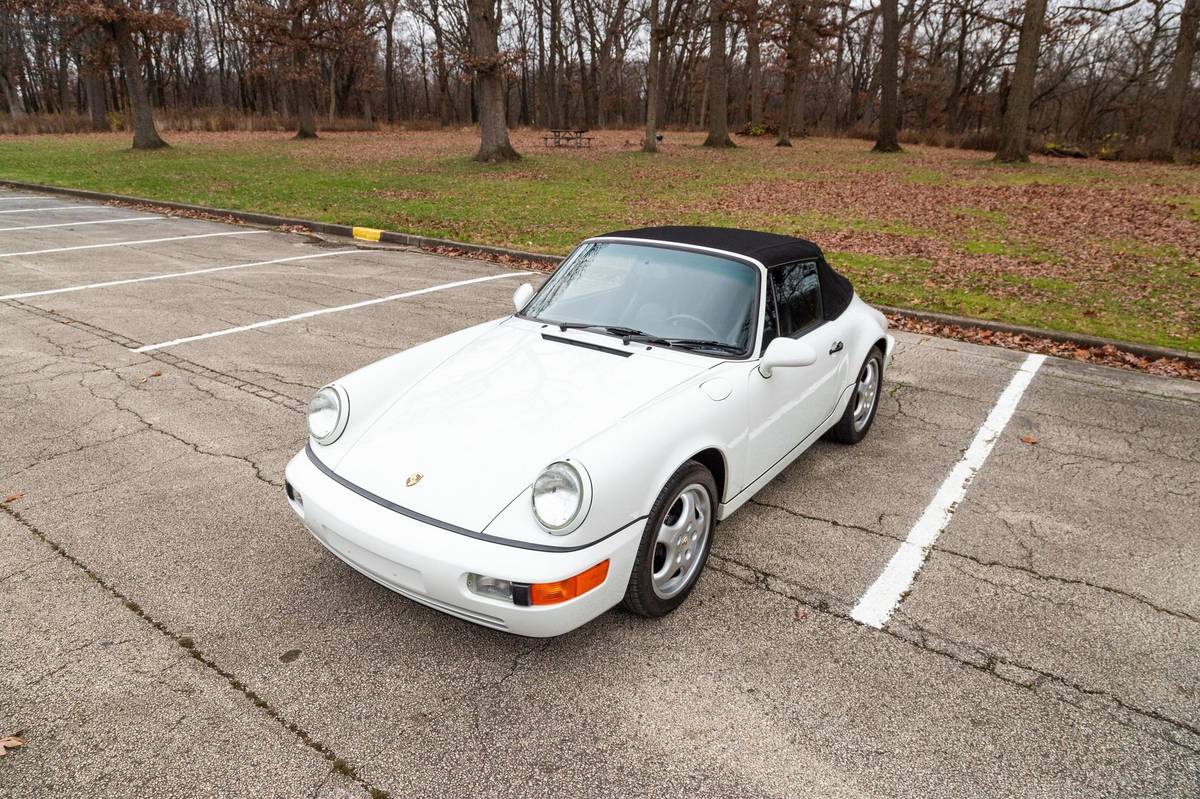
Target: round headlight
column 558, row 497
column 328, row 411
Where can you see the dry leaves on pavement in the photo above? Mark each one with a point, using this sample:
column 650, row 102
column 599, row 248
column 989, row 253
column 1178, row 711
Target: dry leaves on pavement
column 10, row 742
column 1108, row 355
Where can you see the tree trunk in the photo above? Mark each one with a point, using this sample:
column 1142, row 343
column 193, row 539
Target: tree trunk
column 1014, row 128
column 306, row 115
column 795, row 23
column 95, row 92
column 889, row 89
column 754, row 65
column 11, row 97
column 145, row 135
column 389, row 70
column 650, row 142
column 487, row 62
column 954, row 103
column 1162, row 142
column 718, row 78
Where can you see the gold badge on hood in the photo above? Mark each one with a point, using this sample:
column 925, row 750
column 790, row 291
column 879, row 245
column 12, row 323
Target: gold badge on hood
column 413, row 479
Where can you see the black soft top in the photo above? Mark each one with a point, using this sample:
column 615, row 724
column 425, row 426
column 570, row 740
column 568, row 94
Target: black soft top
column 770, row 249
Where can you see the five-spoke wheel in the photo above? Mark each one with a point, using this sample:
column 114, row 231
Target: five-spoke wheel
column 675, row 542
column 681, row 539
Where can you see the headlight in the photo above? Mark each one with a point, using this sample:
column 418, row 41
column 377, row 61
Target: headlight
column 328, row 412
column 560, row 495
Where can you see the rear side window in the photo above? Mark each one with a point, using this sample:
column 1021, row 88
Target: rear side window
column 797, row 292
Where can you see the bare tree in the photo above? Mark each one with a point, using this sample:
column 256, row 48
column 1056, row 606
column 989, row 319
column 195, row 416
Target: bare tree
column 650, row 141
column 488, row 64
column 1162, row 143
column 754, row 63
column 791, row 72
column 718, row 77
column 306, row 120
column 1014, row 129
column 888, row 140
column 1101, row 76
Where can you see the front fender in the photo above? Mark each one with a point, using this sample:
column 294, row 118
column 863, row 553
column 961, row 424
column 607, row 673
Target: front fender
column 631, row 461
column 376, row 387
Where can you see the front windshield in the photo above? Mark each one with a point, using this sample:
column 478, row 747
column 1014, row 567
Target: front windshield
column 660, row 291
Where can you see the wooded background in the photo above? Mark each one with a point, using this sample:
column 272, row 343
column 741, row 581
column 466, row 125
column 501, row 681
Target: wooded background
column 1113, row 77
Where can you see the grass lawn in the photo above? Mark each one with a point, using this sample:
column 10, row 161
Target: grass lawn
column 1089, row 247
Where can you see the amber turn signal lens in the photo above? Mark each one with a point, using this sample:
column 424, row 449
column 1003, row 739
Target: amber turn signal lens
column 561, row 591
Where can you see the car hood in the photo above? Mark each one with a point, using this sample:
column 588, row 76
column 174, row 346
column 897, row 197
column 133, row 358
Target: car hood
column 480, row 426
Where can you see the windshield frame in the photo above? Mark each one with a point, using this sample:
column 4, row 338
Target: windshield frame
column 751, row 350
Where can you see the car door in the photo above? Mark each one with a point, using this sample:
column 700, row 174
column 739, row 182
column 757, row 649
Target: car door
column 794, row 401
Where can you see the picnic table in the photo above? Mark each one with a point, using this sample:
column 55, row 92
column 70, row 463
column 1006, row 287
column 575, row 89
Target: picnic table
column 567, row 137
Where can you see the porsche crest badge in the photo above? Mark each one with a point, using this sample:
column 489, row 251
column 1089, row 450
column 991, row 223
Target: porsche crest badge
column 413, row 479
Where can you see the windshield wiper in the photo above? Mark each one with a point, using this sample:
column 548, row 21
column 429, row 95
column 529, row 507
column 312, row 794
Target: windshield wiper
column 626, row 334
column 616, row 330
column 703, row 344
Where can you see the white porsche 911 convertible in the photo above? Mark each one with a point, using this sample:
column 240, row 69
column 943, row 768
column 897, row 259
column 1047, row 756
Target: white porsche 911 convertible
column 532, row 472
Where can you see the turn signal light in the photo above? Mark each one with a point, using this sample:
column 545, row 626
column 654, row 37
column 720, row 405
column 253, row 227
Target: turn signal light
column 561, row 591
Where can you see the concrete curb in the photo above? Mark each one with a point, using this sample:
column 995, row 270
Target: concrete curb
column 425, row 242
column 1142, row 350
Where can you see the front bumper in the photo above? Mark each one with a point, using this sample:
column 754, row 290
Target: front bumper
column 430, row 565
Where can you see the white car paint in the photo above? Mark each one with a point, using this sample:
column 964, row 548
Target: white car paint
column 479, row 413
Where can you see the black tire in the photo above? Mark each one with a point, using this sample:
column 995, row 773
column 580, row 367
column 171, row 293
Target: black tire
column 847, row 430
column 641, row 596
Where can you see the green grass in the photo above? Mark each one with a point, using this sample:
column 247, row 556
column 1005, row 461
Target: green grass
column 1009, row 249
column 425, row 184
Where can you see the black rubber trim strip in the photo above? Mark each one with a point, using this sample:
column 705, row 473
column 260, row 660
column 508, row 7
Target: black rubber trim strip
column 522, row 594
column 587, row 345
column 453, row 528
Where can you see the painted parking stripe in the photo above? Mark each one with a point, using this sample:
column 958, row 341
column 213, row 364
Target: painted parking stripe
column 19, row 197
column 881, row 599
column 323, row 311
column 169, row 275
column 130, row 243
column 89, row 222
column 51, row 208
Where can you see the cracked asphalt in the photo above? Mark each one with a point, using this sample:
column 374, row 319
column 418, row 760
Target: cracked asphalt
column 170, row 630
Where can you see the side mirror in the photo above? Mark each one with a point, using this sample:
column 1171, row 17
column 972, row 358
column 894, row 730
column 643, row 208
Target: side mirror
column 522, row 296
column 785, row 351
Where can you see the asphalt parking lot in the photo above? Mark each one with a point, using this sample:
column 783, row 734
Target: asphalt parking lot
column 170, row 629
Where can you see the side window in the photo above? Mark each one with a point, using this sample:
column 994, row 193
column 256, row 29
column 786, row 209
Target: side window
column 771, row 318
column 798, row 297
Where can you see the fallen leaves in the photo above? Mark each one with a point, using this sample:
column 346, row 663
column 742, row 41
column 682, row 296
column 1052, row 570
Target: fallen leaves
column 1108, row 355
column 495, row 258
column 10, row 742
column 13, row 497
column 155, row 373
column 1029, row 439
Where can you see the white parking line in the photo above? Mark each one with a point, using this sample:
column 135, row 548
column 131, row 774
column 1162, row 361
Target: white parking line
column 19, row 197
column 323, row 311
column 128, row 243
column 52, row 208
column 881, row 599
column 90, row 222
column 168, row 275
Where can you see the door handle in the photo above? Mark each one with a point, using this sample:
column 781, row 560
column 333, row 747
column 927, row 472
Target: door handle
column 836, row 348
